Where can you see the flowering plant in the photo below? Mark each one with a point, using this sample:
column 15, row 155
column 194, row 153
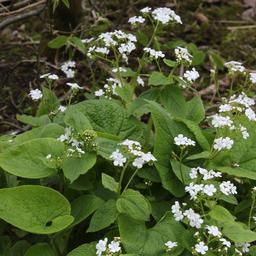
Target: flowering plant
column 136, row 168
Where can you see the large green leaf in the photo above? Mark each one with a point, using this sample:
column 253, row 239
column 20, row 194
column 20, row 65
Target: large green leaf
column 84, row 250
column 35, row 209
column 40, row 249
column 158, row 78
column 28, row 160
column 73, row 167
column 108, row 116
column 84, row 206
column 134, row 204
column 109, row 183
column 105, row 215
column 195, row 110
column 165, row 130
column 137, row 239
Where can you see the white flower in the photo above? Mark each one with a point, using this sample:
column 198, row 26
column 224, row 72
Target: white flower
column 253, row 78
column 146, row 10
column 244, row 246
column 244, row 132
column 35, row 94
column 201, row 248
column 225, row 108
column 153, row 53
column 176, row 210
column 165, row 15
column 223, row 143
column 49, row 156
column 62, row 108
column 228, row 188
column 138, row 162
column 103, row 50
column 67, row 68
column 182, row 54
column 170, row 245
column 148, row 157
column 87, row 40
column 118, row 158
column 250, row 114
column 136, row 19
column 74, row 86
column 193, row 173
column 114, row 247
column 194, row 219
column 219, row 121
column 120, row 69
column 225, row 242
column 101, row 247
column 213, row 230
column 140, row 81
column 181, row 140
column 99, row 93
column 193, row 189
column 209, row 190
column 242, row 99
column 235, row 66
column 191, row 75
column 50, row 76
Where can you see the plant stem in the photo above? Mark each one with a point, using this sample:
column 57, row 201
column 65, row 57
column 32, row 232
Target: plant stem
column 121, row 177
column 130, row 180
column 251, row 210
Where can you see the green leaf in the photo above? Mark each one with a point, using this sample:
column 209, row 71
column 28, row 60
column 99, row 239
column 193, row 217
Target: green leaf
column 181, row 171
column 40, row 249
column 66, row 2
column 107, row 116
column 198, row 55
column 35, row 209
column 238, row 172
column 238, row 233
column 158, row 78
column 221, row 214
column 34, row 121
column 83, row 207
column 195, row 110
column 105, row 215
column 51, row 130
column 202, row 155
column 48, row 104
column 170, row 63
column 165, row 129
column 109, row 183
column 73, row 167
column 77, row 42
column 134, row 204
column 84, row 250
column 58, row 42
column 28, row 160
column 137, row 239
column 216, row 59
column 77, row 120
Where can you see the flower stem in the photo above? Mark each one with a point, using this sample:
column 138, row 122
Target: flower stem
column 130, row 180
column 251, row 210
column 121, row 177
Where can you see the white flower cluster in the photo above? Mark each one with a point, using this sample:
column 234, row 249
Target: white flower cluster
column 170, row 245
column 75, row 146
column 223, row 143
column 74, row 86
column 153, row 54
column 134, row 151
column 181, row 140
column 109, row 88
column 194, row 219
column 50, row 76
column 113, row 248
column 191, row 76
column 36, row 94
column 182, row 55
column 68, row 68
column 140, row 81
column 136, row 19
column 123, row 42
column 253, row 78
column 235, row 67
column 201, row 248
column 219, row 121
column 198, row 173
column 164, row 15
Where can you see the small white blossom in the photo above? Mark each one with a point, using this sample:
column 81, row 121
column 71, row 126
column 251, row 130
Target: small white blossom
column 114, row 247
column 140, row 81
column 201, row 248
column 62, row 108
column 35, row 94
column 219, row 121
column 253, row 78
column 49, row 156
column 225, row 108
column 68, row 69
column 165, row 15
column 244, row 132
column 146, row 10
column 136, row 19
column 99, row 93
column 182, row 54
column 209, row 189
column 193, row 189
column 191, row 75
column 235, row 66
column 223, row 143
column 245, row 247
column 74, row 86
column 250, row 114
column 101, row 247
column 194, row 218
column 170, row 245
column 176, row 210
column 213, row 230
column 225, row 242
column 228, row 188
column 118, row 158
column 153, row 53
column 181, row 140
